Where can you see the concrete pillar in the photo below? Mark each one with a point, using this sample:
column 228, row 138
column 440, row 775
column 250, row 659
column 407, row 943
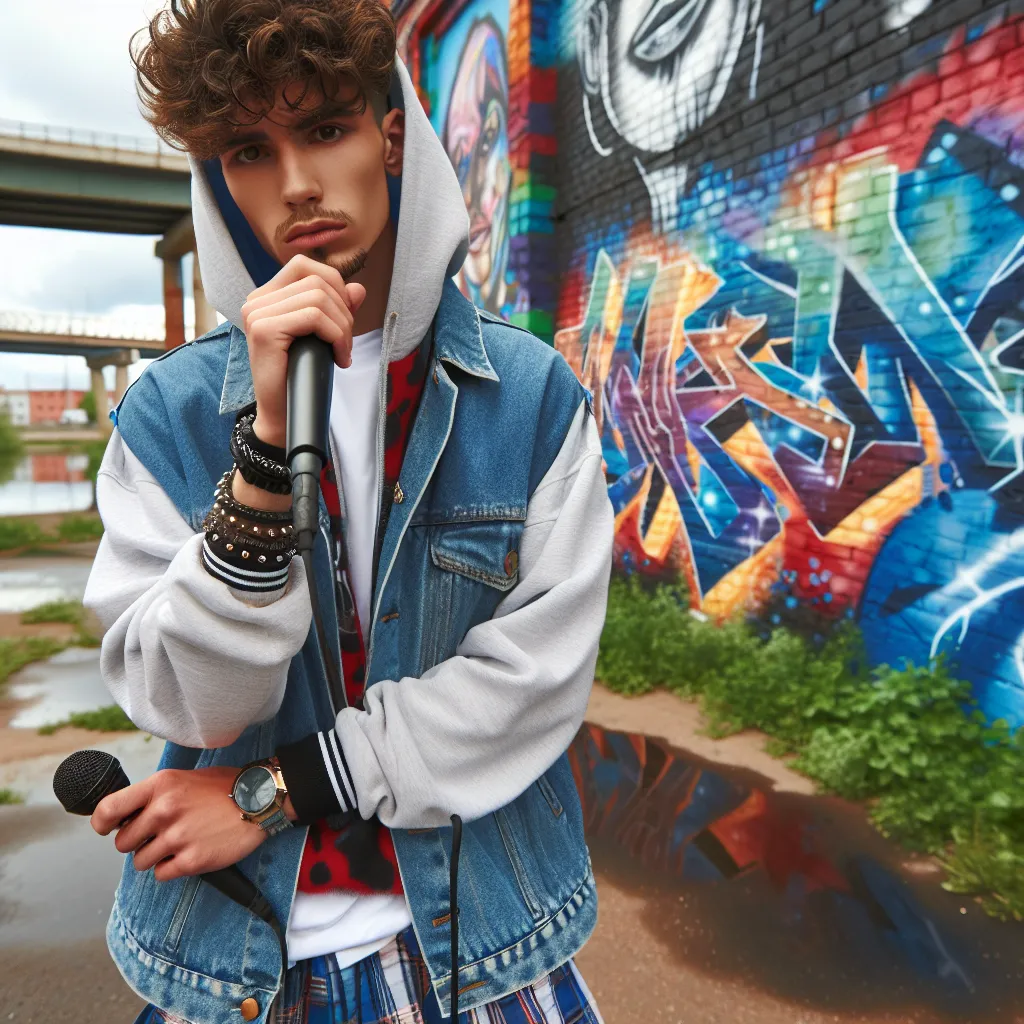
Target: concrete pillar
column 206, row 315
column 174, row 303
column 120, row 381
column 99, row 394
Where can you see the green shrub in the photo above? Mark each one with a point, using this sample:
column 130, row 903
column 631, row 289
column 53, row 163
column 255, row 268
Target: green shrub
column 17, row 652
column 909, row 741
column 54, row 611
column 80, row 527
column 107, row 719
column 17, row 531
column 8, row 796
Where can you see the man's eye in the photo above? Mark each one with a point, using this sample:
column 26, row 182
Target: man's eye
column 327, row 132
column 248, row 155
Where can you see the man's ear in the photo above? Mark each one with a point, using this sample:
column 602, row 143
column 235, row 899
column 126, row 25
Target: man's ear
column 393, row 130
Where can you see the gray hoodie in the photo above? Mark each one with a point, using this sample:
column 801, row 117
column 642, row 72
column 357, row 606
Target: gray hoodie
column 194, row 661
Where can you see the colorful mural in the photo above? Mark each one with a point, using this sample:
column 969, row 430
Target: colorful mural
column 808, row 374
column 785, row 251
column 466, row 79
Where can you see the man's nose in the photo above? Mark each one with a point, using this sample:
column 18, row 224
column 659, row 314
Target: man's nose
column 299, row 186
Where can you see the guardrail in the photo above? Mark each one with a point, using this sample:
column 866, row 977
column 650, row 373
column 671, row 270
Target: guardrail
column 74, row 326
column 84, row 137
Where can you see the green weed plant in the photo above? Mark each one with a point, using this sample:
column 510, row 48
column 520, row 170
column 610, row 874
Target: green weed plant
column 106, row 719
column 909, row 741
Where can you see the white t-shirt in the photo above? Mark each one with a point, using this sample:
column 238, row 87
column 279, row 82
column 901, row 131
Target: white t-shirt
column 352, row 925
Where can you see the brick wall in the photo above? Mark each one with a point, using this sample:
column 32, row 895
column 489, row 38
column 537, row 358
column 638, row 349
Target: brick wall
column 783, row 245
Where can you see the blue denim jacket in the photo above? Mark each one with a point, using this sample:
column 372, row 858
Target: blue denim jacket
column 488, row 427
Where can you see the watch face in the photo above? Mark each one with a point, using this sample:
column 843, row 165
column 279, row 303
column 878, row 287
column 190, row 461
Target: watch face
column 255, row 790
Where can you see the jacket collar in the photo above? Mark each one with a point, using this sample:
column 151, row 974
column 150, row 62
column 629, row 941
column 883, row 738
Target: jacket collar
column 458, row 339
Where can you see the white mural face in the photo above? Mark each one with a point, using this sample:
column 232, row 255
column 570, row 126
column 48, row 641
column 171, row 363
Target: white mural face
column 659, row 67
column 902, row 12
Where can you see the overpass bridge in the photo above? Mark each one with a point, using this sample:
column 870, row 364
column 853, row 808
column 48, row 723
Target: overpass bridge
column 88, row 181
column 103, row 341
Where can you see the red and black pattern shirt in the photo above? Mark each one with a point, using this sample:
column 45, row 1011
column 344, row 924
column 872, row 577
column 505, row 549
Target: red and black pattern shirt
column 360, row 855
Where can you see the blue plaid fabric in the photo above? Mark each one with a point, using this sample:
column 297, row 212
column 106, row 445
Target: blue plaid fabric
column 392, row 987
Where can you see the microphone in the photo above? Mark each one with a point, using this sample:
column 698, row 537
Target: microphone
column 310, row 374
column 85, row 777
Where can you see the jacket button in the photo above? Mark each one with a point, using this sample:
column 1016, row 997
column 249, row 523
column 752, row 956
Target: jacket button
column 511, row 563
column 250, row 1009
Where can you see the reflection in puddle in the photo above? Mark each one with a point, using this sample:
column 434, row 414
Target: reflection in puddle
column 37, row 580
column 798, row 895
column 66, row 683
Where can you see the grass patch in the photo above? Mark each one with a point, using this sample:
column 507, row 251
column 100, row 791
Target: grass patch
column 108, row 719
column 8, row 797
column 55, row 611
column 911, row 741
column 21, row 531
column 17, row 652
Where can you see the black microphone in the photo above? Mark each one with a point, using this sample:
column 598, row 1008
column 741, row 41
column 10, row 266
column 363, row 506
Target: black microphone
column 310, row 376
column 310, row 379
column 85, row 777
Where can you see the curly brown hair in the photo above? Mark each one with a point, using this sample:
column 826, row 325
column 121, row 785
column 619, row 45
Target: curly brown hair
column 207, row 67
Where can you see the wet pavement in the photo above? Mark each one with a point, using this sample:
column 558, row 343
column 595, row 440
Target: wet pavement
column 28, row 582
column 53, row 689
column 794, row 896
column 722, row 899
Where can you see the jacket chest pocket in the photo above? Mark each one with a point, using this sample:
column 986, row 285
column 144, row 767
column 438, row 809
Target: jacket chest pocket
column 472, row 566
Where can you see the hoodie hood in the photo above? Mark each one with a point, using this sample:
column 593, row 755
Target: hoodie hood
column 432, row 238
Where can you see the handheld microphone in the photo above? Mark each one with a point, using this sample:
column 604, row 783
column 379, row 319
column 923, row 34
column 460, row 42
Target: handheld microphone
column 310, row 379
column 85, row 777
column 310, row 375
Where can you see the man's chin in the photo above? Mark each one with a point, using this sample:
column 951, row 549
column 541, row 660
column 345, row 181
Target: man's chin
column 346, row 262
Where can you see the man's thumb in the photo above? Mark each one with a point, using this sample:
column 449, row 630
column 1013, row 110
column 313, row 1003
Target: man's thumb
column 355, row 293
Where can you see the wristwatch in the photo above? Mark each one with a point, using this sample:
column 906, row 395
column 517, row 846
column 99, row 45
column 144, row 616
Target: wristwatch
column 259, row 793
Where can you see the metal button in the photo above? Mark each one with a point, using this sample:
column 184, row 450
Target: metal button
column 511, row 563
column 250, row 1009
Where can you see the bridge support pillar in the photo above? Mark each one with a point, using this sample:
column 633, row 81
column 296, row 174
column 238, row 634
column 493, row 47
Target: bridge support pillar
column 174, row 303
column 120, row 359
column 206, row 315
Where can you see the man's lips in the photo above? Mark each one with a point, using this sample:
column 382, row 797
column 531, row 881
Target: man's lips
column 315, row 233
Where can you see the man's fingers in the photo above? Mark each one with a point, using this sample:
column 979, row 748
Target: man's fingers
column 310, row 283
column 330, row 304
column 355, row 293
column 156, row 850
column 294, row 270
column 114, row 809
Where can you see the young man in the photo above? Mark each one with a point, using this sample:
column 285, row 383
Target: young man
column 462, row 568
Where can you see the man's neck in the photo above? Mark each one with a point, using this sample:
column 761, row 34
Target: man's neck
column 375, row 277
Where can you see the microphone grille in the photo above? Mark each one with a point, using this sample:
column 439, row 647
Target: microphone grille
column 80, row 774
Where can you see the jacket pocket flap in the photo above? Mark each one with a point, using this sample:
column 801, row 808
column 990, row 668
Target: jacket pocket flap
column 483, row 551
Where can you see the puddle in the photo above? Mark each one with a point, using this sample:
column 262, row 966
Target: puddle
column 34, row 581
column 57, row 877
column 53, row 689
column 796, row 895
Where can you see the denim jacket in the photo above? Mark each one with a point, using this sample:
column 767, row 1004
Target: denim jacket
column 495, row 411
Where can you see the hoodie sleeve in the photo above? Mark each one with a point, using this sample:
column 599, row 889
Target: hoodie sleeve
column 475, row 731
column 188, row 657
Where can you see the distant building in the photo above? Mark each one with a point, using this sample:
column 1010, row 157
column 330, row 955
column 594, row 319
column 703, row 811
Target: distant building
column 44, row 408
column 16, row 405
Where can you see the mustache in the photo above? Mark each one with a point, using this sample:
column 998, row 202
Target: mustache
column 309, row 213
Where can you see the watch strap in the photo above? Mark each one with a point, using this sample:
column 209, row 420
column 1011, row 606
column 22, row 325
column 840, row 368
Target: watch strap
column 276, row 822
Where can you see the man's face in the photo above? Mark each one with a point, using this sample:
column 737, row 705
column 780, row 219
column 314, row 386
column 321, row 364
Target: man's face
column 313, row 180
column 660, row 67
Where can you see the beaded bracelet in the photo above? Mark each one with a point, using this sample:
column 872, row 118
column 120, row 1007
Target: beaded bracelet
column 235, row 531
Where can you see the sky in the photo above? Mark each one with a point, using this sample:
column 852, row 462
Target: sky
column 66, row 63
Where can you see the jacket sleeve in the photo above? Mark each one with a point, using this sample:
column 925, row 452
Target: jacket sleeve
column 188, row 657
column 475, row 731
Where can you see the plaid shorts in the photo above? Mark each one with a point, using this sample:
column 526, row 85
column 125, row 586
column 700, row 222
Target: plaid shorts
column 392, row 986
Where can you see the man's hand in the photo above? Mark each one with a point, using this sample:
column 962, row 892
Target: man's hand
column 304, row 297
column 188, row 817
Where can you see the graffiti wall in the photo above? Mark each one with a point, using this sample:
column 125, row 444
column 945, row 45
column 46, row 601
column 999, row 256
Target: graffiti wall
column 789, row 256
